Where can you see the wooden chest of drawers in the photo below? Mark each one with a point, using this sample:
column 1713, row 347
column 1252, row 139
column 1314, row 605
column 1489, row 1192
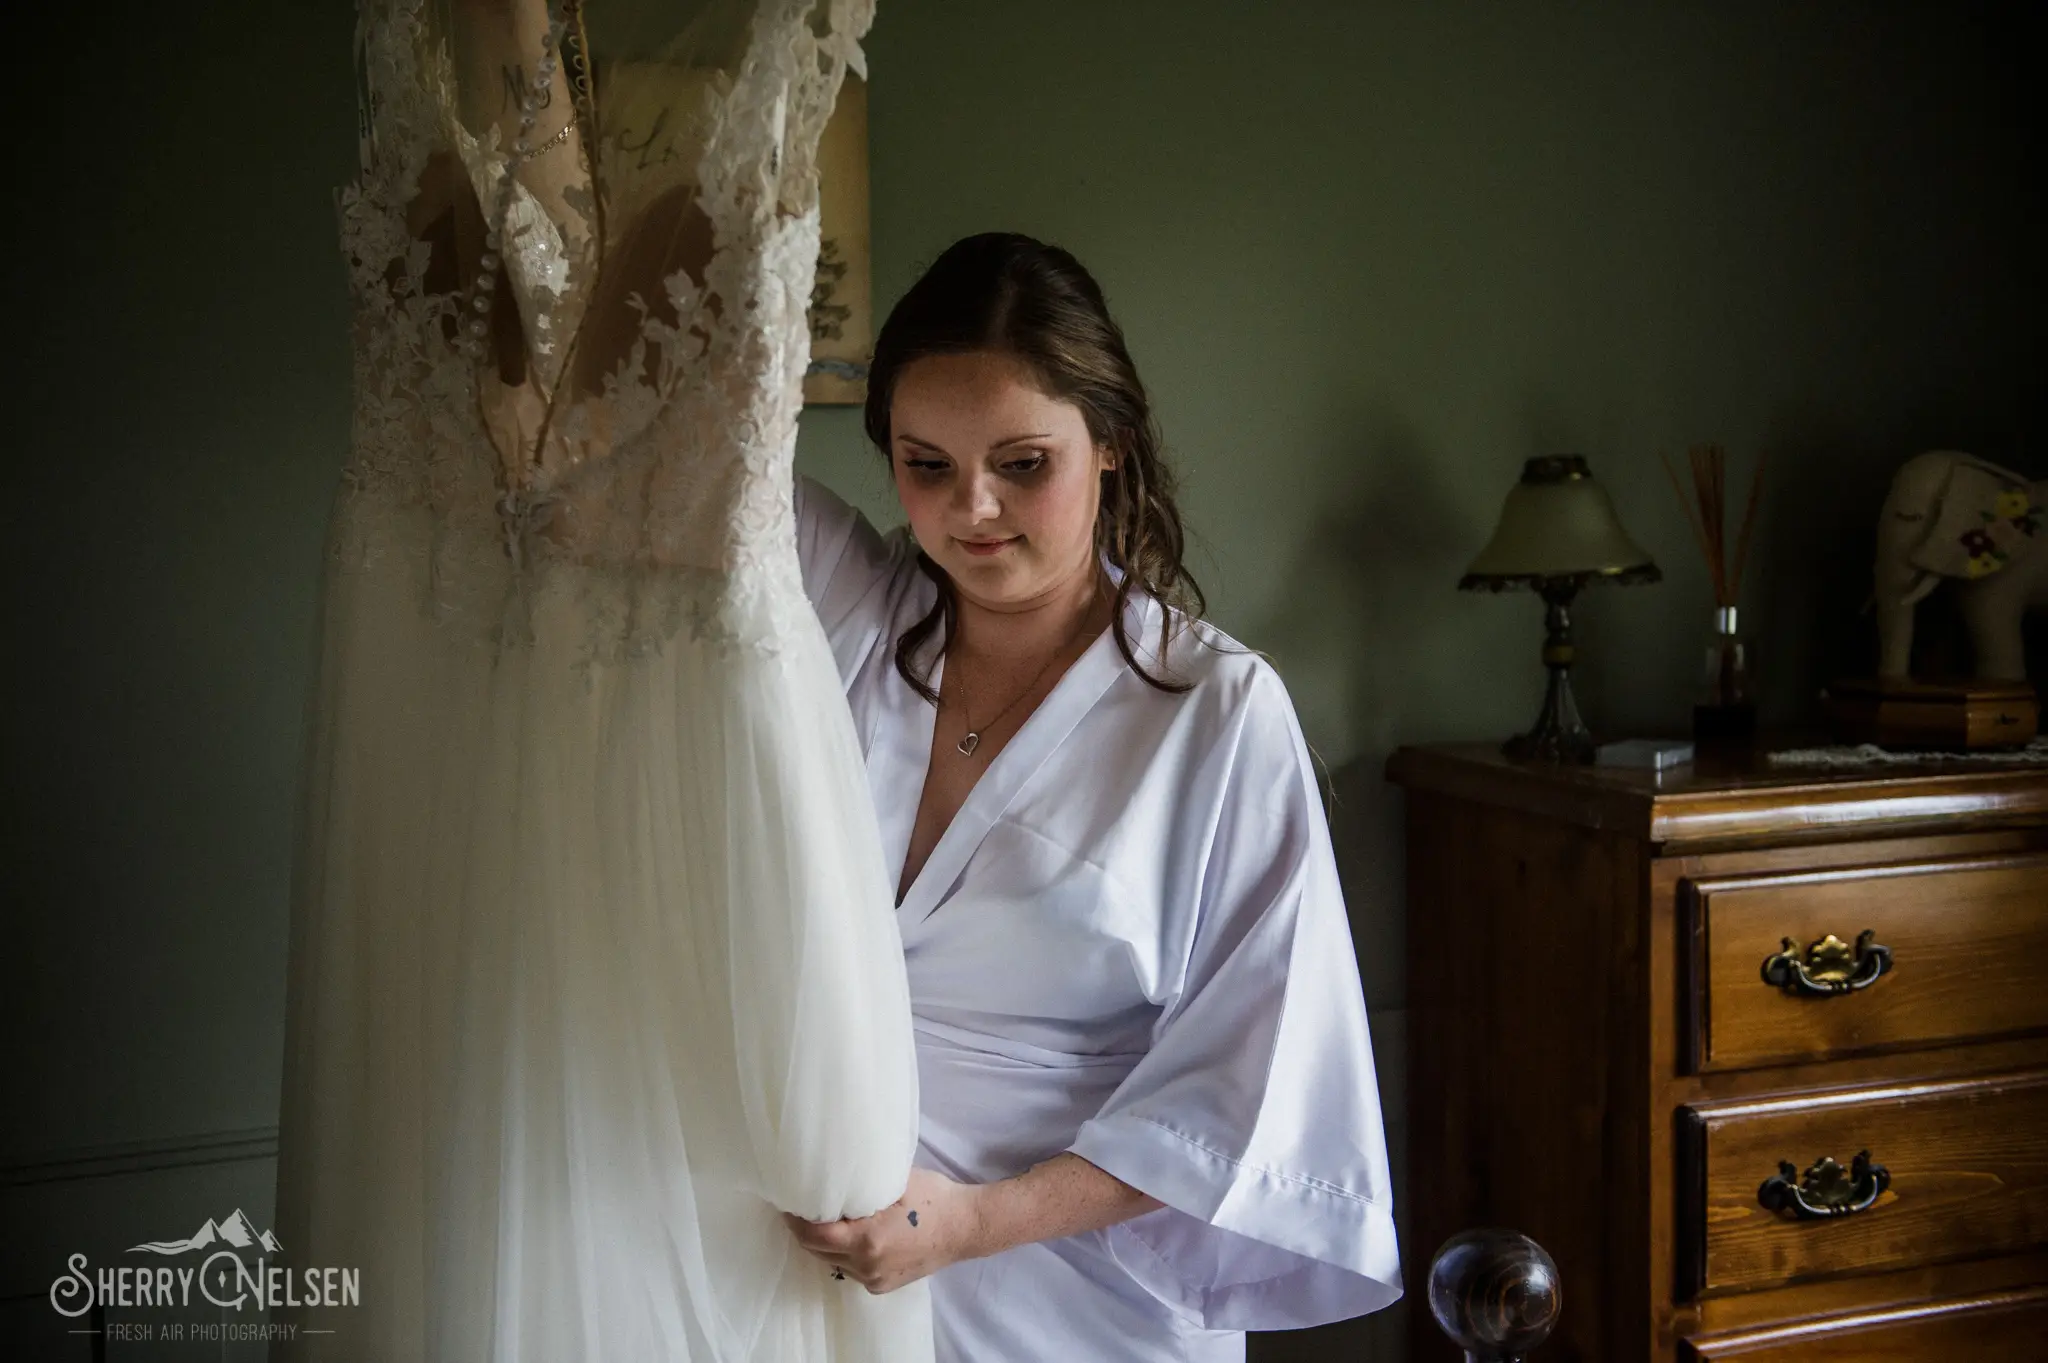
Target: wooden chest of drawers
column 1761, row 1058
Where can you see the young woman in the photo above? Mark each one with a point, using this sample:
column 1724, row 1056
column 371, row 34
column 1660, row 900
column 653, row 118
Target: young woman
column 1149, row 1116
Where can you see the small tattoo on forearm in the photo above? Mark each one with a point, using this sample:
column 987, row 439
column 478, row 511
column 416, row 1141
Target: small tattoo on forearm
column 517, row 87
column 913, row 1218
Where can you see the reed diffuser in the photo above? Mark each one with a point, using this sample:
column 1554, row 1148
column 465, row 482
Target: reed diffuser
column 1725, row 709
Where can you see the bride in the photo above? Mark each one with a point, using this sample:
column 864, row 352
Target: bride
column 594, row 974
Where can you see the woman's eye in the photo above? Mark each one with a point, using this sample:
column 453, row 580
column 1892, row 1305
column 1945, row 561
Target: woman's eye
column 925, row 465
column 1030, row 465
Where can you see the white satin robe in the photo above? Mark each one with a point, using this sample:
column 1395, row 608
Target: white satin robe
column 1130, row 944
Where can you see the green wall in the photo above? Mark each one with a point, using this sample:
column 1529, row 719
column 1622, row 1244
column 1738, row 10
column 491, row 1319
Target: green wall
column 1369, row 257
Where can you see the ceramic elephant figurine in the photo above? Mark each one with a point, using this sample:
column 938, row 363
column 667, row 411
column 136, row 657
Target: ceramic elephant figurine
column 1951, row 516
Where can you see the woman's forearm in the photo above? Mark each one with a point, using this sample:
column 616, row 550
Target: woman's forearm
column 498, row 49
column 1064, row 1196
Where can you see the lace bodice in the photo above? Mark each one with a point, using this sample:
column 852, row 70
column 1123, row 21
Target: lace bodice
column 581, row 360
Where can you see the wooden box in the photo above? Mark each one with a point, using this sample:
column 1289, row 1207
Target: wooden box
column 1954, row 717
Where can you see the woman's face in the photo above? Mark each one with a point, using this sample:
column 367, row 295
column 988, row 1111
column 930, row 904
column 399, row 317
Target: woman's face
column 1000, row 481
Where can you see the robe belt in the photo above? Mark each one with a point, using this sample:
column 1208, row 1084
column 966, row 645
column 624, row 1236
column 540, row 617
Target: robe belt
column 1009, row 1048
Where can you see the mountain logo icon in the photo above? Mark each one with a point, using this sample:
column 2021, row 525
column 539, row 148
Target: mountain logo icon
column 236, row 1230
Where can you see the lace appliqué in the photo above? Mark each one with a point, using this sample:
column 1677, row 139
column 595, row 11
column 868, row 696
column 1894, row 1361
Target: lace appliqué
column 660, row 504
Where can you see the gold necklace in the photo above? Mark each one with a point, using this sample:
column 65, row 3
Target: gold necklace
column 972, row 739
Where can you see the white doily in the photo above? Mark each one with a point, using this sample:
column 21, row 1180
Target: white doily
column 1870, row 755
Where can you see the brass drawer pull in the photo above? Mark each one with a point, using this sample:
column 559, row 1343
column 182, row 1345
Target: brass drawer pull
column 1828, row 967
column 1826, row 1189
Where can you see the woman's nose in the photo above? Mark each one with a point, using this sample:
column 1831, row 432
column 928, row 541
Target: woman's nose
column 975, row 497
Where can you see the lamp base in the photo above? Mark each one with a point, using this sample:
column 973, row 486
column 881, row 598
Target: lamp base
column 1559, row 734
column 1560, row 750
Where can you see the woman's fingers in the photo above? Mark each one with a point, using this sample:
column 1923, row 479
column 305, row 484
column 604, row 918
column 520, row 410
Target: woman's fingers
column 833, row 1257
column 848, row 1246
column 850, row 1249
column 837, row 1237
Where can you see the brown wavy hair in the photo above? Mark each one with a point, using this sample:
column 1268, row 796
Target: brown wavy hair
column 1011, row 294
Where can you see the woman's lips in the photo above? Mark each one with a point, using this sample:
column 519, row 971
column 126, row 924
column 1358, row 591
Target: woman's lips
column 983, row 547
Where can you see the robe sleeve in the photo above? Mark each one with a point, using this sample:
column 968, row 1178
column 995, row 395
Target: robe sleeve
column 1255, row 1115
column 847, row 569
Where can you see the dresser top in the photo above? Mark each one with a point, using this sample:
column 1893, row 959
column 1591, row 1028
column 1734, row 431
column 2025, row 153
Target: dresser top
column 1738, row 799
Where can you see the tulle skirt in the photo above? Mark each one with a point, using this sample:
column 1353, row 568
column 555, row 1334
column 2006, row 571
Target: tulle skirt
column 593, row 973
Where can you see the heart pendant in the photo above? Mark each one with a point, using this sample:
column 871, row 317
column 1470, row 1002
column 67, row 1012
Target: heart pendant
column 969, row 744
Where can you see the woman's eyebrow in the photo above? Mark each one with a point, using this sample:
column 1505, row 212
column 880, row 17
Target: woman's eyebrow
column 1002, row 444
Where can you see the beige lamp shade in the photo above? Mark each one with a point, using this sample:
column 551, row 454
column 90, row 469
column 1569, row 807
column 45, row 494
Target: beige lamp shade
column 1557, row 523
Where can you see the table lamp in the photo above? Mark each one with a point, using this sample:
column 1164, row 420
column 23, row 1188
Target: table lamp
column 1557, row 533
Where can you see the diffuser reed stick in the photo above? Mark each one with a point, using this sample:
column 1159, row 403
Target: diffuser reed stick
column 1706, row 511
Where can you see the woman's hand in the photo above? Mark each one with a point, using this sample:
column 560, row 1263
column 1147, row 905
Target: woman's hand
column 934, row 1224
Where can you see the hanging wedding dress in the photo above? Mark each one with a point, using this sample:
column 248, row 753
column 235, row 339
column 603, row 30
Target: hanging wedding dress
column 593, row 965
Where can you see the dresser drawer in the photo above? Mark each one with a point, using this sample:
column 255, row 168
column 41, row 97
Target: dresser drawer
column 1922, row 953
column 1959, row 1169
column 1998, row 1327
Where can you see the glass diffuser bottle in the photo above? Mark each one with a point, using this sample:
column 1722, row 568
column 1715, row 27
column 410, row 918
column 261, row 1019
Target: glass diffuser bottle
column 1725, row 709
